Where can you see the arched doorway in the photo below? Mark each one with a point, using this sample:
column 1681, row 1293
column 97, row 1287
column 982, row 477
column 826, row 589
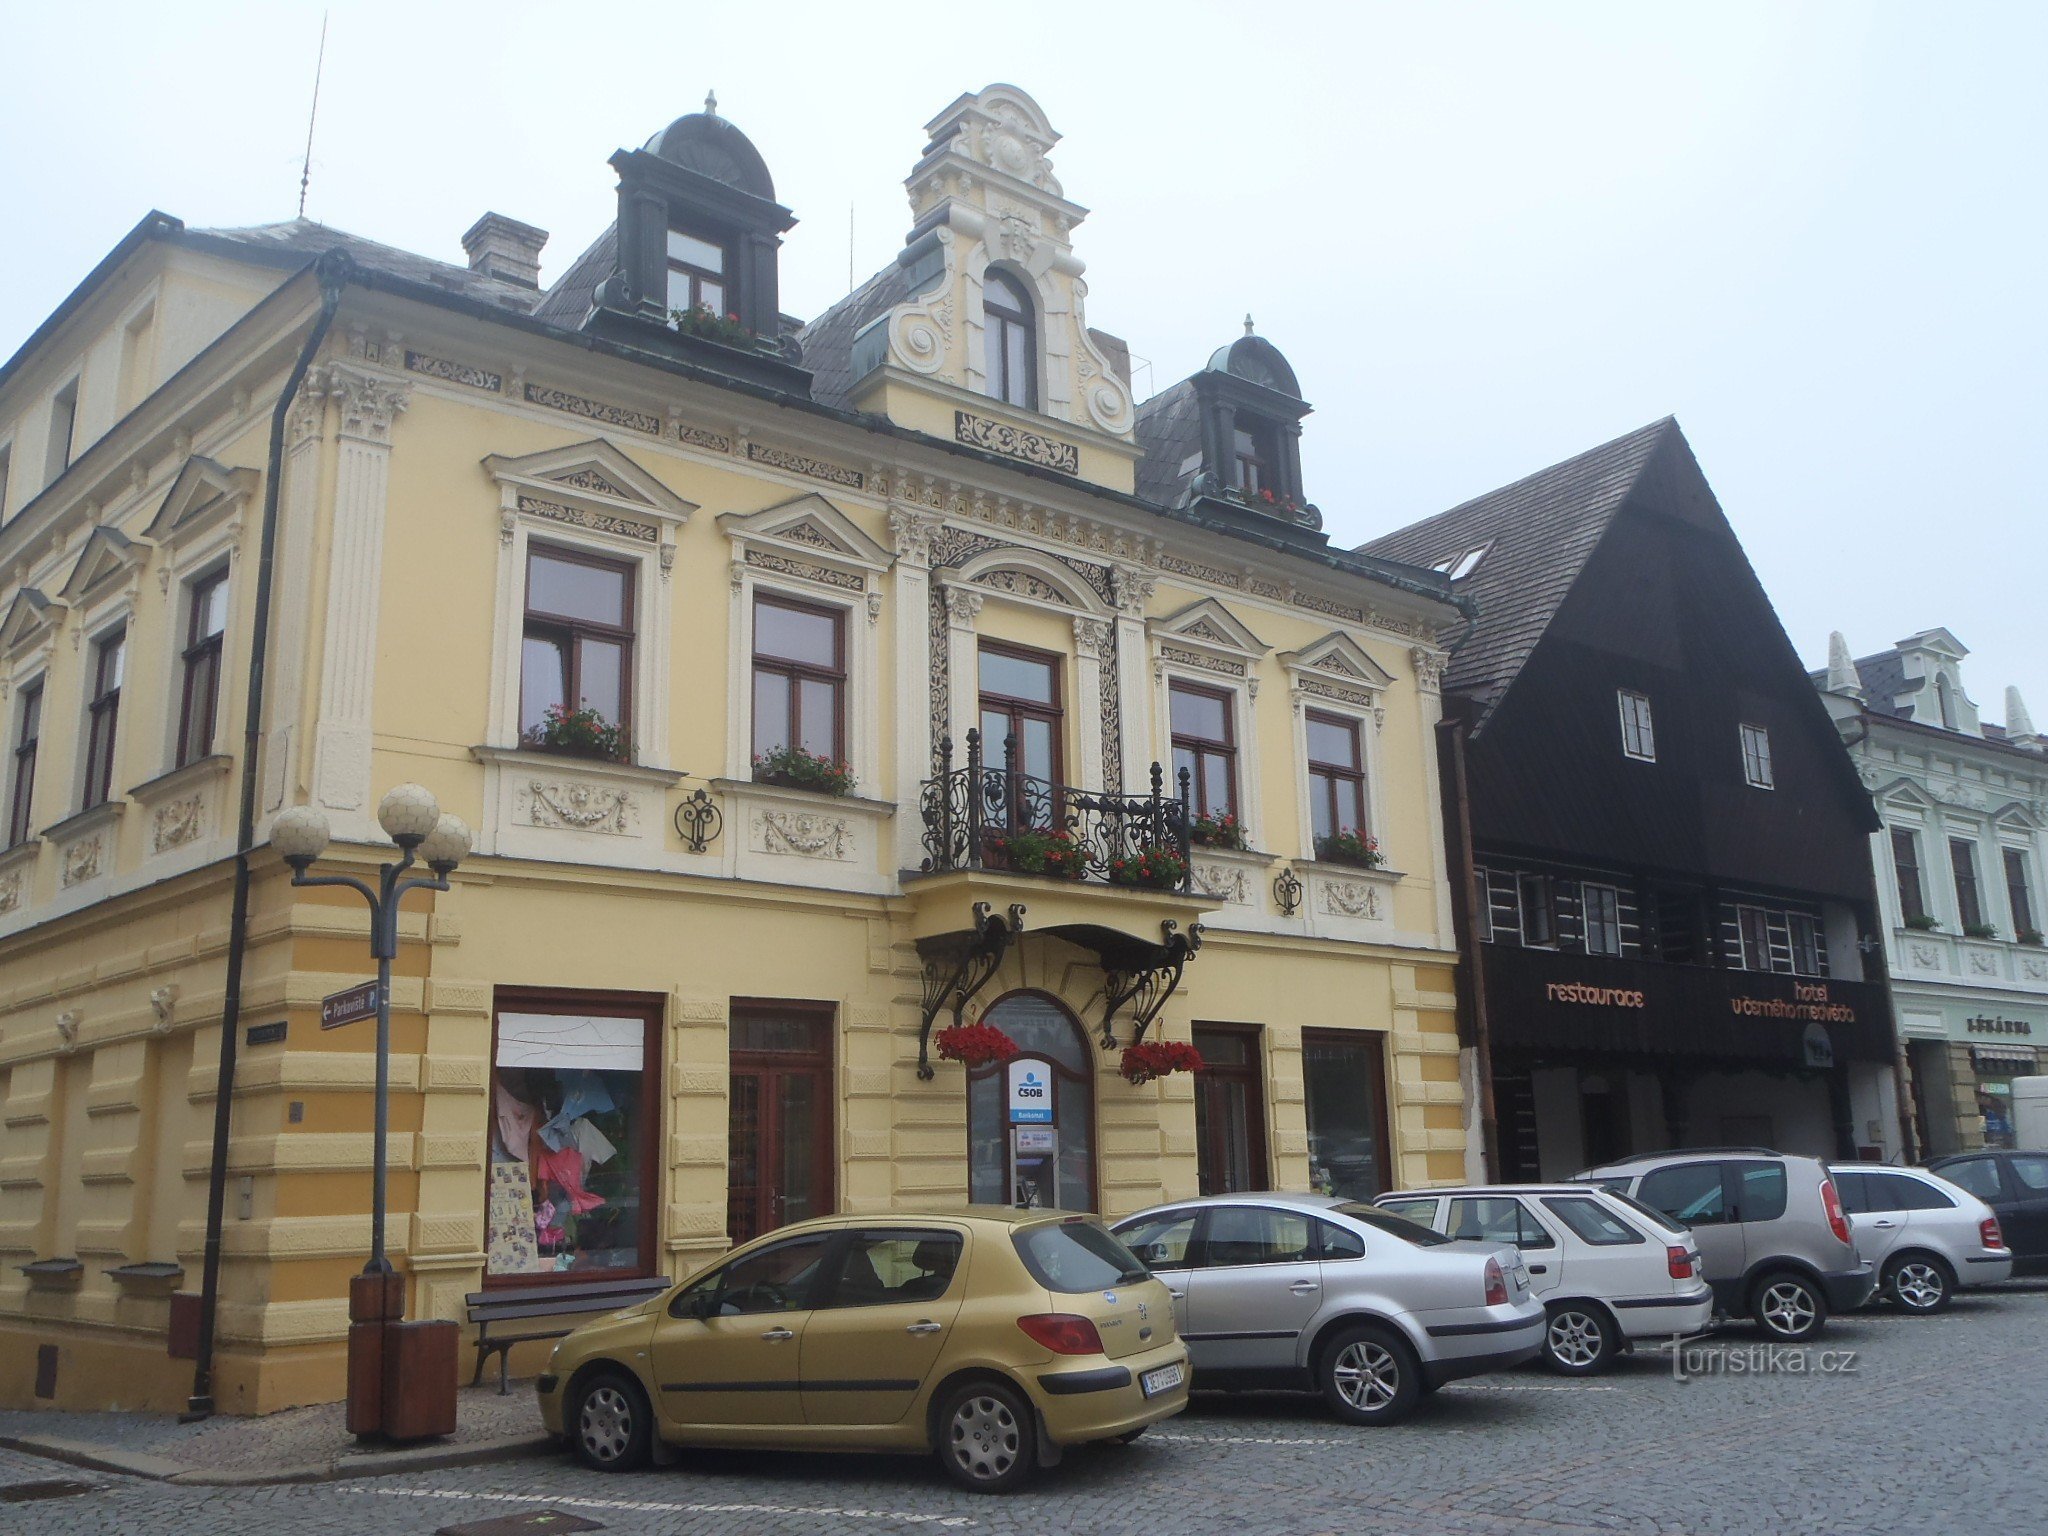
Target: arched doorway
column 1031, row 1124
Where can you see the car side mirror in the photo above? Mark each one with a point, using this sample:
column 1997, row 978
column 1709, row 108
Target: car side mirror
column 702, row 1305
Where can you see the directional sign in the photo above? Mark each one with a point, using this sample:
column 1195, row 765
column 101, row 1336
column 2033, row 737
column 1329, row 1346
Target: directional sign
column 348, row 1005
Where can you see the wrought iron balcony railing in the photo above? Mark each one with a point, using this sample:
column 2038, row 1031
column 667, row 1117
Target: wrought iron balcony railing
column 983, row 817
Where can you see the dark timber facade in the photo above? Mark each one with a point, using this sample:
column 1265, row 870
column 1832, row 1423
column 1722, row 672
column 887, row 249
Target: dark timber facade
column 1668, row 935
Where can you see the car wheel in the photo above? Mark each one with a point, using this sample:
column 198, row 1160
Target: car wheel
column 610, row 1426
column 1579, row 1339
column 1919, row 1282
column 1789, row 1307
column 988, row 1440
column 1369, row 1376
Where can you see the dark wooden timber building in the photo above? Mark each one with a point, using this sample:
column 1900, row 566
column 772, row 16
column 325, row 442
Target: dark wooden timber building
column 1669, row 937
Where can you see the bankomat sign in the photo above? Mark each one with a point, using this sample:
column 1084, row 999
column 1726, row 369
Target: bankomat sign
column 1030, row 1093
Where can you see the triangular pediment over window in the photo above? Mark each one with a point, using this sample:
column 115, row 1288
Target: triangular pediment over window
column 2017, row 814
column 595, row 475
column 1341, row 659
column 204, row 492
column 1208, row 623
column 109, row 555
column 31, row 617
column 809, row 525
column 1903, row 791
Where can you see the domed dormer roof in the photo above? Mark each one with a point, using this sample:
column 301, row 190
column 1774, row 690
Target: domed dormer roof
column 706, row 143
column 1256, row 360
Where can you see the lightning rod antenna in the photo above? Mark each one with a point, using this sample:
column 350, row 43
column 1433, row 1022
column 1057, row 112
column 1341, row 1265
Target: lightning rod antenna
column 319, row 64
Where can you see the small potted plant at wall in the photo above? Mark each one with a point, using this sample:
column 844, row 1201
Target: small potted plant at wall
column 1980, row 930
column 975, row 1045
column 1154, row 867
column 1348, row 845
column 2030, row 936
column 1039, row 851
column 1149, row 1059
column 576, row 733
column 1224, row 831
column 708, row 324
column 1922, row 922
column 794, row 768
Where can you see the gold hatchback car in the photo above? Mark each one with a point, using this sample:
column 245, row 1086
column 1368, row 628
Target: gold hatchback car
column 991, row 1337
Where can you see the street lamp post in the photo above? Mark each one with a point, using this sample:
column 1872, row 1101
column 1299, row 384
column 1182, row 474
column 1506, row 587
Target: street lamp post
column 412, row 819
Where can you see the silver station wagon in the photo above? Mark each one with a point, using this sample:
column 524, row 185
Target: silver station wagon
column 1318, row 1293
column 1609, row 1272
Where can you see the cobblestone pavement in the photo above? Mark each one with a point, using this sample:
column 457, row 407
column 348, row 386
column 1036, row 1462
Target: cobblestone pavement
column 1937, row 1427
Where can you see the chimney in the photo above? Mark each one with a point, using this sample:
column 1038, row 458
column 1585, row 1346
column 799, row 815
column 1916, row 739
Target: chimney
column 505, row 249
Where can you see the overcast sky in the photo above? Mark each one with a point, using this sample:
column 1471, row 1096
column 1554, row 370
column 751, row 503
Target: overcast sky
column 1487, row 236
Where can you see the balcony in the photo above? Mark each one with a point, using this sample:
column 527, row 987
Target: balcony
column 1000, row 819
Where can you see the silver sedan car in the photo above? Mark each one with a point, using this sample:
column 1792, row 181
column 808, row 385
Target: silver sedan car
column 1320, row 1293
column 1928, row 1238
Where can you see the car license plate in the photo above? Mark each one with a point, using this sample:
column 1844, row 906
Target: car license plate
column 1165, row 1379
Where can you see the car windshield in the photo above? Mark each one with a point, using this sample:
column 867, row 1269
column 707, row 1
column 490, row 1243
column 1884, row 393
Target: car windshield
column 1650, row 1214
column 1076, row 1256
column 1394, row 1226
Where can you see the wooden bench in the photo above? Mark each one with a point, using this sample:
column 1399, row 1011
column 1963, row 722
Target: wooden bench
column 521, row 1306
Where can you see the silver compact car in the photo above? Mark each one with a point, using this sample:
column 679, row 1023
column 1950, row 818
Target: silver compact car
column 1319, row 1293
column 1774, row 1241
column 1927, row 1238
column 1609, row 1272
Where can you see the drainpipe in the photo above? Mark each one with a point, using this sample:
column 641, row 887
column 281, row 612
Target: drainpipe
column 333, row 270
column 1877, row 967
column 1452, row 731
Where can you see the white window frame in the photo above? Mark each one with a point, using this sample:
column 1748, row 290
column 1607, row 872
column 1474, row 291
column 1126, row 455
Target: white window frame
column 180, row 574
column 1763, row 917
column 54, row 463
column 1756, row 756
column 1338, row 676
column 606, row 533
column 1613, row 894
column 6, row 474
column 843, row 573
column 1642, row 731
column 1522, row 879
column 1792, row 922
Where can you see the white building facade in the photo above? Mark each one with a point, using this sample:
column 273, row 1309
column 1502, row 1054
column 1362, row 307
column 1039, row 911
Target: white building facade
column 1960, row 863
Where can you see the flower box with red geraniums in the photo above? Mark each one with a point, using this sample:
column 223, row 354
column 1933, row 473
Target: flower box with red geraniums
column 1038, row 851
column 1350, row 846
column 975, row 1045
column 708, row 325
column 576, row 733
column 1148, row 1059
column 1224, row 831
column 1154, row 867
column 794, row 768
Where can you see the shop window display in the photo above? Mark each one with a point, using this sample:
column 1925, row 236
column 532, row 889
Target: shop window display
column 567, row 1176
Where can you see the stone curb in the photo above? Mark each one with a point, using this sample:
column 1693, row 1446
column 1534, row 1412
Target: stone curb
column 163, row 1469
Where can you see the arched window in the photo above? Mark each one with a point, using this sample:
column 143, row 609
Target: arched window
column 1009, row 341
column 1946, row 698
column 1036, row 1146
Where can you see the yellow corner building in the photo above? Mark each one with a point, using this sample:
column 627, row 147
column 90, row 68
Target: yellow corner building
column 811, row 688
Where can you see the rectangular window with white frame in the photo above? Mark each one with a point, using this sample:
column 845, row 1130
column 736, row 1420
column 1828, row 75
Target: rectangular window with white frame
column 1906, row 869
column 1638, row 731
column 1538, row 897
column 576, row 657
column 28, row 732
column 1336, row 779
column 103, row 716
column 1756, row 757
column 206, row 623
column 1806, row 959
column 2019, row 897
column 6, row 475
column 1601, row 905
column 1962, row 858
column 799, row 678
column 1754, row 924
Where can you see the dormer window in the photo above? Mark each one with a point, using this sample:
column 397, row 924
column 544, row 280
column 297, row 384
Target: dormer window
column 697, row 274
column 1009, row 343
column 1252, row 459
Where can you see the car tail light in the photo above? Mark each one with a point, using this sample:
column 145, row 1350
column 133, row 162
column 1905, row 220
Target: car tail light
column 1988, row 1233
column 1832, row 1202
column 1679, row 1261
column 1496, row 1285
column 1064, row 1333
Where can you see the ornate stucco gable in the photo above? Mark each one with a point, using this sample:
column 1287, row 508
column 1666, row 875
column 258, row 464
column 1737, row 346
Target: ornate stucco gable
column 983, row 195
